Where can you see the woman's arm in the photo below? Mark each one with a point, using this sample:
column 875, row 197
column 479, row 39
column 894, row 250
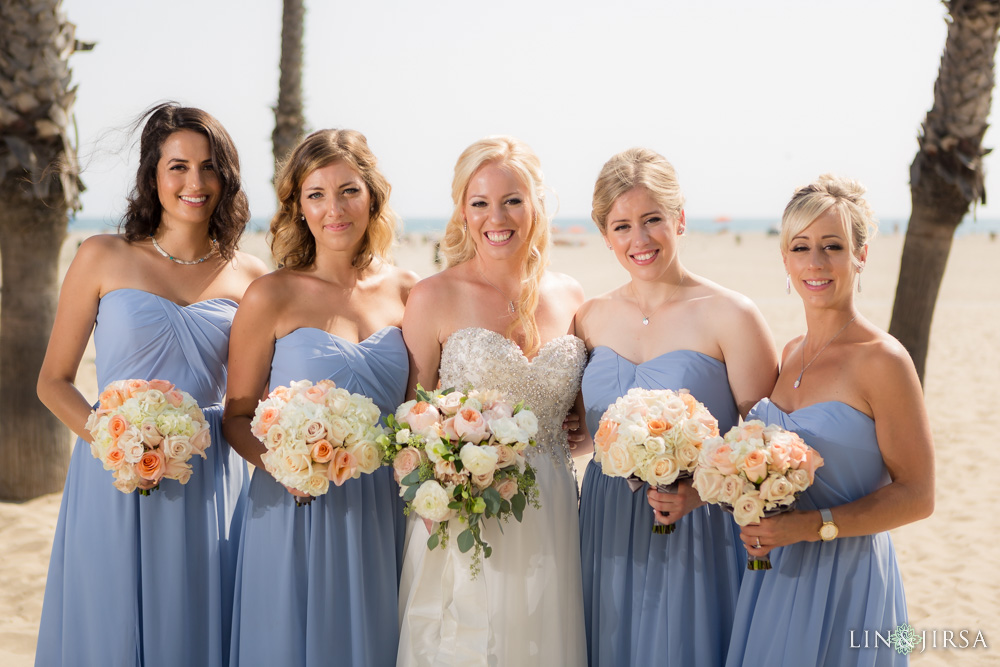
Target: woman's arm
column 251, row 348
column 893, row 392
column 749, row 352
column 421, row 332
column 75, row 319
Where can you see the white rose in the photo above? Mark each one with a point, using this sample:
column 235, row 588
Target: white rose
column 340, row 429
column 799, row 479
column 507, row 431
column 618, row 460
column 479, row 460
column 402, row 436
column 527, row 420
column 431, row 502
column 655, row 445
column 708, row 483
column 316, row 484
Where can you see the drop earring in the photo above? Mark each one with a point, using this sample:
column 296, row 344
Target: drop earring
column 859, row 279
column 465, row 225
column 788, row 283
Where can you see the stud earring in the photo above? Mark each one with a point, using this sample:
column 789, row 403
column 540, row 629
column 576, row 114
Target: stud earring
column 788, row 283
column 302, row 218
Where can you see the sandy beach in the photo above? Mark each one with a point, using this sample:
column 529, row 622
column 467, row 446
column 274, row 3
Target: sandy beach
column 950, row 562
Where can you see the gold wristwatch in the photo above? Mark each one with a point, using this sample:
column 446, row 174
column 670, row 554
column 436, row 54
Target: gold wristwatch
column 828, row 531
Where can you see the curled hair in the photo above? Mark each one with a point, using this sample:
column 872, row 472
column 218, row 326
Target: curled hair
column 458, row 245
column 844, row 196
column 292, row 244
column 635, row 167
column 231, row 214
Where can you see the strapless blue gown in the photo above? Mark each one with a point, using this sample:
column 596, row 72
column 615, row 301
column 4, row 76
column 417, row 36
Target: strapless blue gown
column 317, row 585
column 655, row 599
column 818, row 592
column 148, row 580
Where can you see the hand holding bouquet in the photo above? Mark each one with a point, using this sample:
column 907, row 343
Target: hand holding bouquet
column 755, row 471
column 145, row 431
column 316, row 434
column 653, row 436
column 459, row 457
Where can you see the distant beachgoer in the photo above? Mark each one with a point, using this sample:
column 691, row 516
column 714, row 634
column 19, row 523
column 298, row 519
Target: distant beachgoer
column 654, row 599
column 317, row 584
column 147, row 580
column 850, row 390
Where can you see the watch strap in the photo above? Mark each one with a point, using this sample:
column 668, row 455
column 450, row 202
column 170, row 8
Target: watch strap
column 827, row 515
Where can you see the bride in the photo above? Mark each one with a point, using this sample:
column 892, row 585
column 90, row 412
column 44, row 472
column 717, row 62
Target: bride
column 496, row 319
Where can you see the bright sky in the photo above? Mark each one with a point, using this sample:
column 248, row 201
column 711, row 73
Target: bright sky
column 748, row 99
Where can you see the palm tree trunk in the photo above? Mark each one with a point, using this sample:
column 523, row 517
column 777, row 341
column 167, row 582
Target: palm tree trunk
column 289, row 124
column 946, row 176
column 39, row 185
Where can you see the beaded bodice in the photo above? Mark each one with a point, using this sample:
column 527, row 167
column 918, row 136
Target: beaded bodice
column 548, row 384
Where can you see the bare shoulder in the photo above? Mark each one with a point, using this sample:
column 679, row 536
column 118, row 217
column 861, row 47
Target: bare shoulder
column 100, row 247
column 790, row 346
column 271, row 291
column 249, row 266
column 442, row 285
column 563, row 287
column 883, row 363
column 595, row 310
column 397, row 279
column 729, row 306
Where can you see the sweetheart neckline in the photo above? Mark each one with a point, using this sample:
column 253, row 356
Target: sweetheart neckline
column 659, row 356
column 813, row 405
column 163, row 298
column 333, row 335
column 514, row 344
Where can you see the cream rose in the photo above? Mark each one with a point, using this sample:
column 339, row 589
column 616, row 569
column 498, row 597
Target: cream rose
column 747, row 509
column 316, row 484
column 431, row 502
column 687, row 455
column 708, row 483
column 618, row 460
column 799, row 479
column 368, row 456
column 177, row 447
column 406, row 461
column 777, row 489
column 732, row 489
column 479, row 460
column 663, row 470
column 506, row 456
column 507, row 488
column 482, row 481
column 179, row 470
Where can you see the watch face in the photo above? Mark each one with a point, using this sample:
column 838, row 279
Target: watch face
column 828, row 531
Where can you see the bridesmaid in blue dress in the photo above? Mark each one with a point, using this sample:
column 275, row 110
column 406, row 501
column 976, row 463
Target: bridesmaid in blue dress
column 148, row 580
column 653, row 599
column 850, row 390
column 317, row 583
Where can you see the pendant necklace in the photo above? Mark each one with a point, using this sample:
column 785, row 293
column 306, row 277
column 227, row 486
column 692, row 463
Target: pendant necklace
column 510, row 304
column 798, row 381
column 173, row 259
column 645, row 318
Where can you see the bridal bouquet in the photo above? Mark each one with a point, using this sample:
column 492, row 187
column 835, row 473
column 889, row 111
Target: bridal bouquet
column 653, row 436
column 755, row 471
column 316, row 434
column 459, row 460
column 145, row 431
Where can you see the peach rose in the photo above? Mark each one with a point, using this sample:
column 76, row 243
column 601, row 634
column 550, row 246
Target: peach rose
column 780, row 454
column 114, row 459
column 342, row 467
column 179, row 470
column 174, row 398
column 421, row 417
column 201, row 441
column 448, row 429
column 606, row 434
column 445, row 469
column 406, row 461
column 507, row 488
column 111, row 398
column 506, row 456
column 151, row 465
column 753, row 429
column 315, row 394
column 690, row 402
column 812, row 462
column 268, row 417
column 281, row 393
column 134, row 387
column 117, row 427
column 656, row 426
column 482, row 481
column 150, row 434
column 321, row 451
column 160, row 385
column 470, row 425
column 755, row 466
column 719, row 458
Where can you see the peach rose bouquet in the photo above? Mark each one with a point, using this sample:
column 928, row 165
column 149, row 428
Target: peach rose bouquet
column 459, row 458
column 316, row 434
column 653, row 436
column 145, row 431
column 755, row 471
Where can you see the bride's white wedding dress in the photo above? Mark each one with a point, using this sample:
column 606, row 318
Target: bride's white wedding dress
column 526, row 607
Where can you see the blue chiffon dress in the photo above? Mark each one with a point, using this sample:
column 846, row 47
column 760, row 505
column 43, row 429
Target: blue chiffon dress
column 148, row 580
column 317, row 584
column 817, row 593
column 653, row 599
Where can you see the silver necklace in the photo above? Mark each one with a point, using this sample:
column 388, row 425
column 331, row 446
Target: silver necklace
column 510, row 304
column 173, row 259
column 645, row 318
column 798, row 381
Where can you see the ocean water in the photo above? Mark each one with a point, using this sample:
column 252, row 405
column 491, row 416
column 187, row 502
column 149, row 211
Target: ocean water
column 435, row 226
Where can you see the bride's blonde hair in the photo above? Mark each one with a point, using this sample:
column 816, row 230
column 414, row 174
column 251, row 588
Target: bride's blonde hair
column 458, row 245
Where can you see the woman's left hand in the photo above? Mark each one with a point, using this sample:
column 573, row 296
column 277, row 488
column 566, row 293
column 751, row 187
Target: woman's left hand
column 778, row 531
column 574, row 434
column 668, row 508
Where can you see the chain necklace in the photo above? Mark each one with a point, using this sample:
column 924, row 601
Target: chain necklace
column 645, row 318
column 173, row 259
column 798, row 381
column 510, row 303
